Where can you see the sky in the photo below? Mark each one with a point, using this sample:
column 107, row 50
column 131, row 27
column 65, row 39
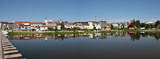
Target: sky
column 79, row 10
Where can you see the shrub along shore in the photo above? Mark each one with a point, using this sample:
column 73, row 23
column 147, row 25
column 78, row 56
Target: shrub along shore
column 77, row 32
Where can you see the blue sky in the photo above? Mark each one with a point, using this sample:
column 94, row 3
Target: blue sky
column 79, row 10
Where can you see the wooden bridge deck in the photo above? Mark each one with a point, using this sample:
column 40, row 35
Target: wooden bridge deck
column 7, row 50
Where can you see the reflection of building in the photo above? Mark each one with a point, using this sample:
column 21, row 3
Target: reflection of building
column 97, row 36
column 133, row 35
column 69, row 36
column 91, row 36
column 132, row 28
column 28, row 37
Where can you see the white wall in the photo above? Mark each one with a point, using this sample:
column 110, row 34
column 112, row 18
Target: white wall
column 98, row 26
column 90, row 25
column 58, row 27
column 43, row 28
column 0, row 25
column 69, row 26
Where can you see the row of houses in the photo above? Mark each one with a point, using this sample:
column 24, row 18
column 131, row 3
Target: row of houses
column 126, row 25
column 28, row 26
column 43, row 26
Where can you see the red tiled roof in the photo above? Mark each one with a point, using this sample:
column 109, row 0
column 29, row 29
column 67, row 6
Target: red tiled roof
column 20, row 22
column 92, row 21
column 152, row 23
column 70, row 23
column 131, row 28
column 53, row 22
column 108, row 27
column 44, row 26
column 31, row 38
column 36, row 23
column 84, row 23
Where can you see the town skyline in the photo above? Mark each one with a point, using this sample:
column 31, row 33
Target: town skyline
column 108, row 21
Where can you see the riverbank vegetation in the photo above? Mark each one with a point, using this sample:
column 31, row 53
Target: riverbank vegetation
column 77, row 32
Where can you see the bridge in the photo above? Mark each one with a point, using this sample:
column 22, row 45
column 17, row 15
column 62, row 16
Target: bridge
column 7, row 49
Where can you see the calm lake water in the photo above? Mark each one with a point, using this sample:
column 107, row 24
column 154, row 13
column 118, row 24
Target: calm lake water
column 89, row 46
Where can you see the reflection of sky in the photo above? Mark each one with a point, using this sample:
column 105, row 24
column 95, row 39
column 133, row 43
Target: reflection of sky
column 82, row 47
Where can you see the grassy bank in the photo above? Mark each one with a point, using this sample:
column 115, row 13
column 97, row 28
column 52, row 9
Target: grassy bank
column 140, row 30
column 72, row 32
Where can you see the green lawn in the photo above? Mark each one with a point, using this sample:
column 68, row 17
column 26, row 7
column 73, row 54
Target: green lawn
column 84, row 31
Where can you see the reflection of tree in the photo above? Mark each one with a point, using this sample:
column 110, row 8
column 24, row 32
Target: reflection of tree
column 103, row 36
column 59, row 37
column 157, row 36
column 74, row 35
column 135, row 36
column 145, row 35
column 115, row 34
column 62, row 36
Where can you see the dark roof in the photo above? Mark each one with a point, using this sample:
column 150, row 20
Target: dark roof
column 3, row 22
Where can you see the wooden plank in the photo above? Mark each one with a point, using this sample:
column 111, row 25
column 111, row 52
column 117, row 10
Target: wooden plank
column 13, row 56
column 14, row 48
column 8, row 46
column 12, row 51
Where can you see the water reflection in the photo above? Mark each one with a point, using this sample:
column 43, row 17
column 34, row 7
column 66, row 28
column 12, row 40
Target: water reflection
column 94, row 36
column 88, row 46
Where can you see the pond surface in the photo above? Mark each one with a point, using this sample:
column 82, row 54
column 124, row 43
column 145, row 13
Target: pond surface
column 88, row 46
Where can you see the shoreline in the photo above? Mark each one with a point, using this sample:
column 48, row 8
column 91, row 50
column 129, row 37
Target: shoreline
column 77, row 32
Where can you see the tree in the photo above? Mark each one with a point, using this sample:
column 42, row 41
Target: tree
column 94, row 27
column 157, row 23
column 74, row 29
column 135, row 36
column 138, row 24
column 145, row 25
column 111, row 26
column 62, row 25
column 158, row 26
column 135, row 23
column 50, row 28
column 55, row 29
